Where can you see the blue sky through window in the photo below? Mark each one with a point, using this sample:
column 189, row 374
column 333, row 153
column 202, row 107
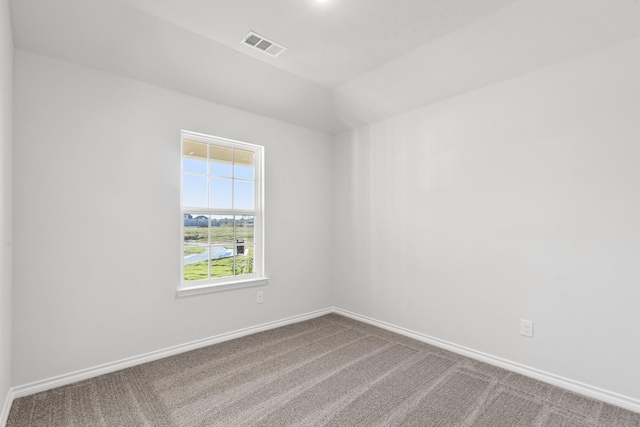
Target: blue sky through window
column 223, row 189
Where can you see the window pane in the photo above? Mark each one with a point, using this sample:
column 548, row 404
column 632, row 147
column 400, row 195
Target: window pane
column 196, row 238
column 222, row 264
column 195, row 262
column 243, row 195
column 220, row 193
column 194, row 157
column 194, row 191
column 221, row 229
column 244, row 230
column 220, row 252
column 220, row 161
column 196, row 229
column 244, row 261
column 243, row 164
column 196, row 271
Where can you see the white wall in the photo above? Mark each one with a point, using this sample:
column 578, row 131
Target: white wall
column 6, row 73
column 96, row 184
column 456, row 220
column 516, row 201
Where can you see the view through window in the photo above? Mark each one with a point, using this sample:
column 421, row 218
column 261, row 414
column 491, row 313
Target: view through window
column 221, row 210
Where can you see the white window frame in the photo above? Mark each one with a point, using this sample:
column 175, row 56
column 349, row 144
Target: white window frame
column 257, row 278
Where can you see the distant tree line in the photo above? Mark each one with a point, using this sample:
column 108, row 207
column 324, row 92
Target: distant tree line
column 202, row 221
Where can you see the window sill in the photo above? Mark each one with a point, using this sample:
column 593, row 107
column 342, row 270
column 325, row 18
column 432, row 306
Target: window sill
column 219, row 287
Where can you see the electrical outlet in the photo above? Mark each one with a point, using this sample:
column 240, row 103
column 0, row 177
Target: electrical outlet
column 526, row 328
column 260, row 297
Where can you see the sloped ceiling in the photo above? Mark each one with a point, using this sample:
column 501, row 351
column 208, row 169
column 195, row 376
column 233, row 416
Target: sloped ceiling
column 348, row 63
column 520, row 38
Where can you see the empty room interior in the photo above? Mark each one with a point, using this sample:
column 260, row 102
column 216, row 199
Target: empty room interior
column 303, row 212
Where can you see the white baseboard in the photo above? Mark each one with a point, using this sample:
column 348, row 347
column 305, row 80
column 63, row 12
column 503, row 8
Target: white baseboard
column 4, row 414
column 568, row 384
column 83, row 374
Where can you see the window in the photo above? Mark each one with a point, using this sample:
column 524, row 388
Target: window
column 222, row 240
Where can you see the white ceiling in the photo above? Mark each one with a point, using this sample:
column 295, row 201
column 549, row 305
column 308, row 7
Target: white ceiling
column 348, row 63
column 329, row 43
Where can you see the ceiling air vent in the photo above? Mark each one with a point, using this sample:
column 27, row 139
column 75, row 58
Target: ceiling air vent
column 263, row 44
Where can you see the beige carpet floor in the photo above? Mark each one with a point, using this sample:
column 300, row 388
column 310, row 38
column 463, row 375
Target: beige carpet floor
column 329, row 371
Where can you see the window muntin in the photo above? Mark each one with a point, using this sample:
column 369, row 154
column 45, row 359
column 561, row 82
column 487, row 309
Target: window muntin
column 221, row 211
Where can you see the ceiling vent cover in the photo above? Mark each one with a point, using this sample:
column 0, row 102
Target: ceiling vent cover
column 263, row 44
